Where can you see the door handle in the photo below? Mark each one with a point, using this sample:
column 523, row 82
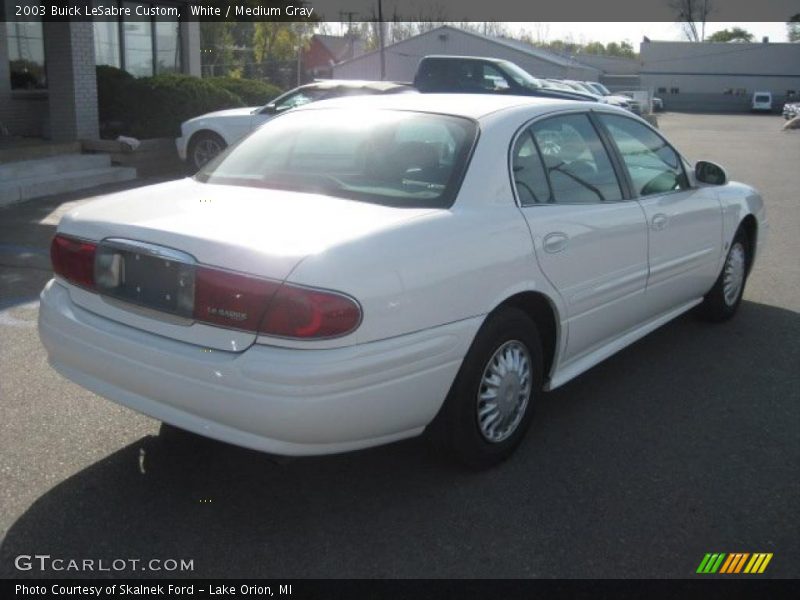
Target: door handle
column 659, row 221
column 555, row 242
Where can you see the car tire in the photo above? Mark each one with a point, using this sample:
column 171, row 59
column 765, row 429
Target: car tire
column 722, row 301
column 203, row 147
column 468, row 428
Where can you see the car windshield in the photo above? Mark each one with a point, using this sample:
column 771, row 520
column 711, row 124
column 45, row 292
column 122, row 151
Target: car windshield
column 521, row 76
column 395, row 158
column 600, row 88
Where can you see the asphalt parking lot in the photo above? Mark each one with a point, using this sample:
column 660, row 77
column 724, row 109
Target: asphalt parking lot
column 687, row 442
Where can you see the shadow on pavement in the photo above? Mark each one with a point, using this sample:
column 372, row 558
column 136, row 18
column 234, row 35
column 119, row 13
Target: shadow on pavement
column 682, row 444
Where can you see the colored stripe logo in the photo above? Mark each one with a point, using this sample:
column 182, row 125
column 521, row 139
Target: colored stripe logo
column 734, row 563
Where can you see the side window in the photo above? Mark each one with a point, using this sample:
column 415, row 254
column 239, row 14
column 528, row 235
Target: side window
column 654, row 167
column 494, row 80
column 528, row 172
column 576, row 161
column 298, row 99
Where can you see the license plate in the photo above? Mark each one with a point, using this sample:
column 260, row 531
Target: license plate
column 146, row 275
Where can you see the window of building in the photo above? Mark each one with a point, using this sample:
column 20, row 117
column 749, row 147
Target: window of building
column 662, row 90
column 674, row 90
column 138, row 43
column 25, row 50
column 106, row 41
column 168, row 45
column 143, row 46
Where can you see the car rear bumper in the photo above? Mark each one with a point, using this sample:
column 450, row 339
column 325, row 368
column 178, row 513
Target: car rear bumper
column 278, row 400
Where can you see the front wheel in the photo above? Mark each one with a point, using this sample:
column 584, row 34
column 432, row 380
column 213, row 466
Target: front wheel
column 722, row 302
column 203, row 147
column 490, row 405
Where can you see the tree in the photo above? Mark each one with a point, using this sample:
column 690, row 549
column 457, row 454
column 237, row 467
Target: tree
column 216, row 47
column 793, row 28
column 735, row 34
column 691, row 14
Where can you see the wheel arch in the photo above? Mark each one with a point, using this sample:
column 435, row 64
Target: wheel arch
column 543, row 312
column 749, row 224
column 205, row 130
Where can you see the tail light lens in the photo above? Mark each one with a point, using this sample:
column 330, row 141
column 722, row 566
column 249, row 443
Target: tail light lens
column 73, row 260
column 231, row 299
column 235, row 300
column 308, row 313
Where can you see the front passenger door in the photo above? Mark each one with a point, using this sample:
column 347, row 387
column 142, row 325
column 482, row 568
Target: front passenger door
column 685, row 224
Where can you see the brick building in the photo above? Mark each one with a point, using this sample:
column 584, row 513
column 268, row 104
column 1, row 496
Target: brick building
column 48, row 86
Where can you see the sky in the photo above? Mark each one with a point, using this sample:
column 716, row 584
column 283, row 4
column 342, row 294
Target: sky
column 633, row 32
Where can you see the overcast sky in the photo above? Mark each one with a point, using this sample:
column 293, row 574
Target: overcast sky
column 633, row 32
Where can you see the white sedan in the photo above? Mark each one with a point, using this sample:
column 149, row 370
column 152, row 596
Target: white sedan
column 361, row 270
column 204, row 137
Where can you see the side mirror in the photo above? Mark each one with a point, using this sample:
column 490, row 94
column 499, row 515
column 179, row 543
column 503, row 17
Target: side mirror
column 708, row 172
column 269, row 109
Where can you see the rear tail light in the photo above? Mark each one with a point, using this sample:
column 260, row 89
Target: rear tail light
column 235, row 300
column 73, row 260
column 308, row 313
column 231, row 299
column 262, row 306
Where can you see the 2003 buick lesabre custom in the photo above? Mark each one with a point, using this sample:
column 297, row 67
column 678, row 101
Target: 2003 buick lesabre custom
column 360, row 270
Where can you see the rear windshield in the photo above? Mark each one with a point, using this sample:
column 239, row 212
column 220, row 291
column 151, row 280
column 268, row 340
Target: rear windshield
column 396, row 158
column 762, row 98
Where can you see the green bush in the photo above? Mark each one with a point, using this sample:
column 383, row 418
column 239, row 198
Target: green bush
column 163, row 102
column 111, row 92
column 151, row 107
column 252, row 91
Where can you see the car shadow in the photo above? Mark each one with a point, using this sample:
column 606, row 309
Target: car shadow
column 632, row 469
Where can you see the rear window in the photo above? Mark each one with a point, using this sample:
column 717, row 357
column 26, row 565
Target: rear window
column 396, row 158
column 762, row 98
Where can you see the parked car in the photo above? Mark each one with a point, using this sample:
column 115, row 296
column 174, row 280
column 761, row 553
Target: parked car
column 359, row 271
column 658, row 104
column 204, row 137
column 791, row 110
column 483, row 75
column 762, row 101
column 605, row 95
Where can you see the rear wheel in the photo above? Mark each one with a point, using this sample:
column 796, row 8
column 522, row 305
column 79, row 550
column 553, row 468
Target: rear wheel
column 722, row 302
column 203, row 147
column 489, row 407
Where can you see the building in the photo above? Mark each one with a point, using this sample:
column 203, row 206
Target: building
column 616, row 72
column 718, row 76
column 324, row 51
column 48, row 87
column 402, row 58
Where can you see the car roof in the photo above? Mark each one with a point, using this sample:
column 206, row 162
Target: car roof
column 355, row 84
column 471, row 106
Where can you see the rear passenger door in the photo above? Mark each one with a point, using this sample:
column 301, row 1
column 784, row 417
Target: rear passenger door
column 589, row 241
column 685, row 243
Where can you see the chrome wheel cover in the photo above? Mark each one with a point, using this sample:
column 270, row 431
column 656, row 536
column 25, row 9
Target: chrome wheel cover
column 733, row 274
column 205, row 150
column 504, row 391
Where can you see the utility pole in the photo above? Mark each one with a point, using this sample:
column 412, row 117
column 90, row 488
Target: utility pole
column 381, row 40
column 705, row 12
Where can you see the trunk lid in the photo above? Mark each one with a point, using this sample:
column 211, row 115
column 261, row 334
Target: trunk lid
column 260, row 232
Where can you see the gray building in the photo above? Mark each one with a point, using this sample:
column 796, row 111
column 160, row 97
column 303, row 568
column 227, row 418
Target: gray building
column 718, row 76
column 48, row 87
column 617, row 72
column 402, row 58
